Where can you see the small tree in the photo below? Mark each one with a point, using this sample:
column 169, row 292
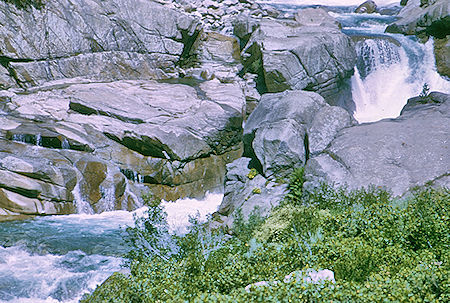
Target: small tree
column 425, row 91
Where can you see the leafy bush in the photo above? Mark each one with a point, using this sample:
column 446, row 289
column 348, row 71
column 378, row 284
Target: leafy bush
column 26, row 3
column 295, row 186
column 252, row 173
column 424, row 93
column 380, row 249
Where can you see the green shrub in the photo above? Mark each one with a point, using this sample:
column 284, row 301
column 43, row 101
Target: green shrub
column 295, row 186
column 23, row 4
column 380, row 249
column 252, row 173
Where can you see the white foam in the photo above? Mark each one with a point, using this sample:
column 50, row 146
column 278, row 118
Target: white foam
column 178, row 212
column 41, row 278
column 384, row 92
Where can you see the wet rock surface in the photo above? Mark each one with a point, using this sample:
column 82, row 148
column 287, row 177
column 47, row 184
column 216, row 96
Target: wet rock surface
column 427, row 19
column 112, row 135
column 431, row 18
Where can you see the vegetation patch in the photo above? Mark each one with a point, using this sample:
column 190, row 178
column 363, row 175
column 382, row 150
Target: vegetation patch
column 380, row 249
column 252, row 173
column 23, row 4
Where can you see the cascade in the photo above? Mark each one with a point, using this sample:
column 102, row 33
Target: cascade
column 65, row 144
column 58, row 258
column 38, row 140
column 387, row 75
column 83, row 207
column 379, row 86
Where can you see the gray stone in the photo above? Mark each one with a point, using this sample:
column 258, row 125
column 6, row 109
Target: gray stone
column 154, row 119
column 368, row 7
column 275, row 131
column 248, row 195
column 327, row 122
column 289, row 55
column 14, row 204
column 98, row 135
column 433, row 19
column 420, row 102
column 218, row 48
column 398, row 154
column 442, row 55
column 6, row 81
column 112, row 39
column 279, row 146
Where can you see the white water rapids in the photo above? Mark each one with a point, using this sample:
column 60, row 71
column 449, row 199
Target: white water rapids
column 58, row 258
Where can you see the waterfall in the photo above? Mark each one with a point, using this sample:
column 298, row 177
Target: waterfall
column 83, row 207
column 65, row 144
column 38, row 140
column 379, row 86
column 387, row 75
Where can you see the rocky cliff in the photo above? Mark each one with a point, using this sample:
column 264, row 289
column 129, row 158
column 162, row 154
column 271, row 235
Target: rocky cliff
column 103, row 100
column 94, row 107
column 427, row 18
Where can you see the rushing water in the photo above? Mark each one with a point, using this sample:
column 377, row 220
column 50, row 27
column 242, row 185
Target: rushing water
column 391, row 68
column 58, row 258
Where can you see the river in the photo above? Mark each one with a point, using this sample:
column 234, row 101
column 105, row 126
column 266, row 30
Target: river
column 58, row 258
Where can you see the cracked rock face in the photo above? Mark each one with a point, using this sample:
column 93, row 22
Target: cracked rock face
column 99, row 143
column 398, row 154
column 310, row 53
column 285, row 127
column 245, row 194
column 84, row 126
column 415, row 19
column 103, row 40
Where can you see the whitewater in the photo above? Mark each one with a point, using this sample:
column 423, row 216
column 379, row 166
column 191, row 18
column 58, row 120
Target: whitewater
column 59, row 258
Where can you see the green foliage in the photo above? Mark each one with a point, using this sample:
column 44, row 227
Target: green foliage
column 380, row 249
column 252, row 173
column 256, row 191
column 117, row 284
column 23, row 4
column 150, row 236
column 295, row 186
column 425, row 91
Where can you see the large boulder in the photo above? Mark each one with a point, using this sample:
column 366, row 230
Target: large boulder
column 416, row 19
column 246, row 193
column 368, row 7
column 310, row 53
column 442, row 55
column 397, row 154
column 280, row 135
column 103, row 40
column 281, row 131
column 95, row 145
column 417, row 103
